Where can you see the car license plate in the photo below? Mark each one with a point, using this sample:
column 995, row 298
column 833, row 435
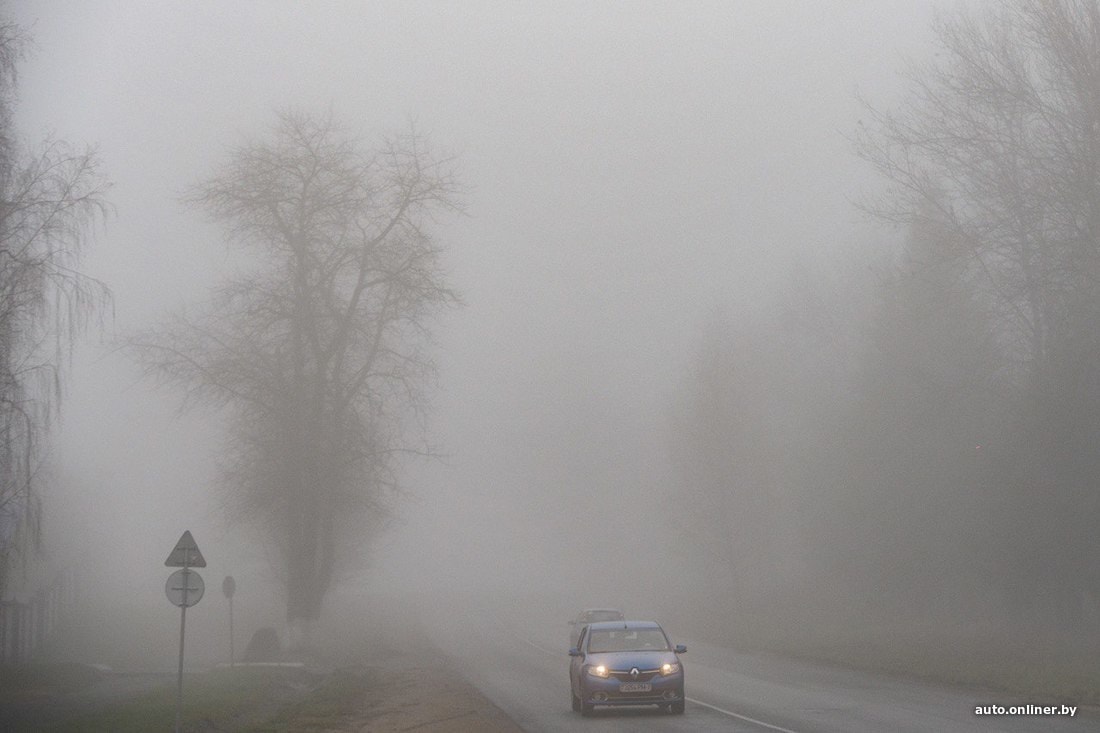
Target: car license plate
column 636, row 687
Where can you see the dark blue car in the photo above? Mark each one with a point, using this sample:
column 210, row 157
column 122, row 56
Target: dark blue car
column 626, row 663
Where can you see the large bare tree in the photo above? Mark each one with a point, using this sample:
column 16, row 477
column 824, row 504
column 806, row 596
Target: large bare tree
column 998, row 141
column 319, row 352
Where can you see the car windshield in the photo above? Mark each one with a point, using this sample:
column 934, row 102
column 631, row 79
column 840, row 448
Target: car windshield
column 594, row 616
column 627, row 640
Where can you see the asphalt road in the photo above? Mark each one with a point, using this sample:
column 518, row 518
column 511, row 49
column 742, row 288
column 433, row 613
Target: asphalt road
column 521, row 665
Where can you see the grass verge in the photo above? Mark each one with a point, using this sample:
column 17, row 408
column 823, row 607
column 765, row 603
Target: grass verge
column 239, row 699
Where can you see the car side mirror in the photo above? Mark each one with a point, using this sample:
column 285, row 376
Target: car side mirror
column 575, row 652
column 680, row 649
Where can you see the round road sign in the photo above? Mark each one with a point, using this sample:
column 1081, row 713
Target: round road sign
column 184, row 588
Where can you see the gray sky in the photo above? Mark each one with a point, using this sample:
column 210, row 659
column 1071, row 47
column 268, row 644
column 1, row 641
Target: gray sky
column 632, row 166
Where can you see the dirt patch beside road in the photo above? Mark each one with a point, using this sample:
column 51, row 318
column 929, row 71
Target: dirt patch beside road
column 397, row 680
column 422, row 699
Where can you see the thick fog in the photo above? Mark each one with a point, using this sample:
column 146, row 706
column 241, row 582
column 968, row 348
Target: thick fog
column 645, row 181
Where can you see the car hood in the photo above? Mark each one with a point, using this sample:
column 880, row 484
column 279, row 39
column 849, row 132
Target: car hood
column 622, row 661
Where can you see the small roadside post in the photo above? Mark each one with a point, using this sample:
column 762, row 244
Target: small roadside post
column 229, row 587
column 184, row 588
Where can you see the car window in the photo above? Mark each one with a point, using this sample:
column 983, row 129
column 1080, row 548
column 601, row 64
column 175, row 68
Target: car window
column 580, row 639
column 627, row 640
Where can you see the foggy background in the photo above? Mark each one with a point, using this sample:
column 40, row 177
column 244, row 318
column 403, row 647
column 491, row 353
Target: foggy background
column 659, row 192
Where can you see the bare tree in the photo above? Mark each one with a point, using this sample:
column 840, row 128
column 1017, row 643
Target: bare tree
column 320, row 352
column 999, row 140
column 50, row 197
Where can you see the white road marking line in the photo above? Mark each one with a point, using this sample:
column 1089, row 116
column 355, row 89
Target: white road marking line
column 543, row 649
column 742, row 717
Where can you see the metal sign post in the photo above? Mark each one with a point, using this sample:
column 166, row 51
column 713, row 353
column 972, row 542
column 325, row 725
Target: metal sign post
column 229, row 587
column 184, row 588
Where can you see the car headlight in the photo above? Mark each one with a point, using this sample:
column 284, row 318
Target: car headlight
column 670, row 668
column 599, row 671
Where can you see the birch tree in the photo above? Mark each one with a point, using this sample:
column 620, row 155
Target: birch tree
column 51, row 196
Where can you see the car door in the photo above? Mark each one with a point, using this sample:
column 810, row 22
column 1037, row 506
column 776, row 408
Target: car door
column 576, row 662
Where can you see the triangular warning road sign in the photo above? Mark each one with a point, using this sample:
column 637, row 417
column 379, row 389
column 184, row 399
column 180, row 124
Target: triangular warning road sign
column 186, row 554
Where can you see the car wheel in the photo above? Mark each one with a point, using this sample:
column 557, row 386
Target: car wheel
column 677, row 707
column 587, row 708
column 576, row 702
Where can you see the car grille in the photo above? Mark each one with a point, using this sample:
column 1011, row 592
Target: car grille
column 644, row 675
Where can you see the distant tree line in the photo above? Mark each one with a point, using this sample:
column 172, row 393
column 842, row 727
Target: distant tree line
column 918, row 435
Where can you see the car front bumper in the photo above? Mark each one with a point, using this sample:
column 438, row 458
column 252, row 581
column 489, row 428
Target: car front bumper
column 663, row 690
